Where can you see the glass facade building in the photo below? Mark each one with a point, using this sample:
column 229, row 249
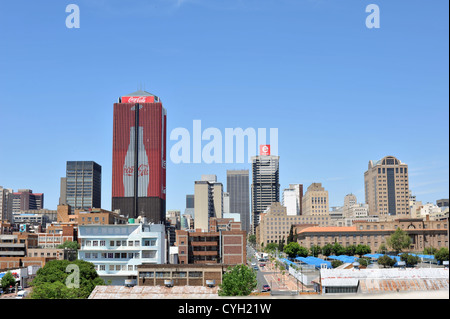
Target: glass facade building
column 83, row 184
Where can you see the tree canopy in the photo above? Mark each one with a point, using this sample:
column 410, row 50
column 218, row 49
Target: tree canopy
column 239, row 280
column 51, row 280
column 8, row 280
column 399, row 240
column 386, row 261
column 442, row 254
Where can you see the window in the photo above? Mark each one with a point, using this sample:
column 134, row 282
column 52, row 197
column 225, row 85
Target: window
column 195, row 274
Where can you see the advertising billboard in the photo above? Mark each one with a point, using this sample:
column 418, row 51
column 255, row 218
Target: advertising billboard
column 151, row 150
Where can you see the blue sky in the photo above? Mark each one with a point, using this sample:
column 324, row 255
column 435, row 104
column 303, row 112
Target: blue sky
column 339, row 93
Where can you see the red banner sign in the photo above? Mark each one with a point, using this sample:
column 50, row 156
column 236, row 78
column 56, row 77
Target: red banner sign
column 264, row 150
column 138, row 99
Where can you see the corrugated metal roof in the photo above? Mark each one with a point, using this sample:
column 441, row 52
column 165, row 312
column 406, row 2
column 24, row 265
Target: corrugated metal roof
column 387, row 280
column 153, row 292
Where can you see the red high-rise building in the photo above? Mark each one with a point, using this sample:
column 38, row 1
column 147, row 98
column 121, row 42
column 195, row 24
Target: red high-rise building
column 139, row 140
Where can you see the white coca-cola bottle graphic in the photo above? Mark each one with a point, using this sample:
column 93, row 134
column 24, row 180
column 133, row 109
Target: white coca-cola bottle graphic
column 143, row 169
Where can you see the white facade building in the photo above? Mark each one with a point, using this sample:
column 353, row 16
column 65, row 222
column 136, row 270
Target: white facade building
column 291, row 199
column 117, row 250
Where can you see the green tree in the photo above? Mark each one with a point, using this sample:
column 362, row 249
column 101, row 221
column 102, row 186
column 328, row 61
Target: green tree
column 363, row 261
column 442, row 254
column 303, row 252
column 70, row 245
column 338, row 249
column 399, row 240
column 252, row 239
column 292, row 249
column 386, row 261
column 362, row 250
column 410, row 260
column 430, row 251
column 271, row 247
column 239, row 280
column 8, row 280
column 281, row 244
column 290, row 238
column 315, row 250
column 382, row 249
column 50, row 281
column 327, row 250
column 350, row 250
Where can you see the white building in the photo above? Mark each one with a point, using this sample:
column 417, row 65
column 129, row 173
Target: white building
column 117, row 250
column 291, row 199
column 435, row 212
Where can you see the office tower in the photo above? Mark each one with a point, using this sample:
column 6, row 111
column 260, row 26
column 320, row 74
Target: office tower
column 25, row 199
column 238, row 188
column 292, row 199
column 139, row 157
column 265, row 184
column 82, row 186
column 315, row 201
column 189, row 201
column 208, row 201
column 387, row 189
column 349, row 201
column 5, row 204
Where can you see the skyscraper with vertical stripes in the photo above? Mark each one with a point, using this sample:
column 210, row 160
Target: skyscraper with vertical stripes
column 139, row 156
column 265, row 184
column 238, row 188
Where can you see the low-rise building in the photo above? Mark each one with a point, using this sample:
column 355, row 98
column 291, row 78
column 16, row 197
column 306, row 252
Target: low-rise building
column 424, row 233
column 229, row 247
column 275, row 224
column 181, row 275
column 117, row 250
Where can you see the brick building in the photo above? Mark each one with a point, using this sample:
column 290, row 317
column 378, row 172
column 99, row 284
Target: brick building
column 185, row 275
column 221, row 247
column 424, row 233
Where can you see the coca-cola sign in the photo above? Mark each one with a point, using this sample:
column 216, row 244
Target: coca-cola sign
column 142, row 171
column 138, row 99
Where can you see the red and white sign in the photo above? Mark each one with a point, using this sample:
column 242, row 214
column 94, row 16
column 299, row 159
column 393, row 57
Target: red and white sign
column 138, row 99
column 264, row 150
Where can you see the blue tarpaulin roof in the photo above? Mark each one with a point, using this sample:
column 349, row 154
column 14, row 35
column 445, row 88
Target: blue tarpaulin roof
column 317, row 262
column 344, row 258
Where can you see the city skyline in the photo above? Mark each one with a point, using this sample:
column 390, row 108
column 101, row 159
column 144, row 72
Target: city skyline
column 340, row 94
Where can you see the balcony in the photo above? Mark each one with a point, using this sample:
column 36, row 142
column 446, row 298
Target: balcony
column 203, row 243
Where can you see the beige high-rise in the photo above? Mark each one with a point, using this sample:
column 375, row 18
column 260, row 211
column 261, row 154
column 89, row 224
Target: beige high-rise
column 387, row 188
column 208, row 201
column 315, row 201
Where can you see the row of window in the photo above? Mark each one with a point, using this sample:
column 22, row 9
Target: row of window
column 173, row 274
column 145, row 254
column 116, row 267
column 119, row 243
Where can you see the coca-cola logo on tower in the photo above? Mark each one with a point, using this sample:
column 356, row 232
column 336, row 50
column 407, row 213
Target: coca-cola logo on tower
column 142, row 171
